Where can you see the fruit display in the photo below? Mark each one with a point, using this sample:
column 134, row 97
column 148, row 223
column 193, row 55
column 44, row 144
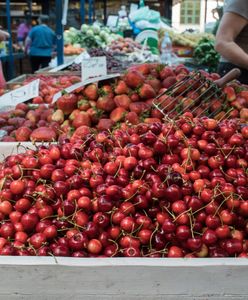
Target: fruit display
column 106, row 105
column 187, row 39
column 113, row 64
column 72, row 50
column 152, row 190
column 124, row 46
column 89, row 36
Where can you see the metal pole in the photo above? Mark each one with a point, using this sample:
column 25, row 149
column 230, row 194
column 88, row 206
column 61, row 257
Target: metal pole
column 59, row 33
column 90, row 12
column 30, row 10
column 105, row 11
column 11, row 57
column 206, row 11
column 82, row 11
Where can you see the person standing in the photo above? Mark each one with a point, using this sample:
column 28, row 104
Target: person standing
column 232, row 39
column 22, row 32
column 41, row 42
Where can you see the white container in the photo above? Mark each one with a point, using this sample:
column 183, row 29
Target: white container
column 42, row 278
column 123, row 278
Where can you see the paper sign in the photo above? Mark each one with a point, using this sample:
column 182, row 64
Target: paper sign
column 21, row 94
column 79, row 58
column 93, row 67
column 81, row 84
column 112, row 21
column 76, row 60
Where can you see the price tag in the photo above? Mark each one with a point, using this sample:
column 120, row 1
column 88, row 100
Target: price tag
column 22, row 94
column 81, row 84
column 77, row 60
column 94, row 67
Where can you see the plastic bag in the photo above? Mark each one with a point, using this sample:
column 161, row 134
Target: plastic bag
column 145, row 13
column 143, row 24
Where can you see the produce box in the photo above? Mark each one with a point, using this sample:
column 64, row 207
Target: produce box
column 122, row 279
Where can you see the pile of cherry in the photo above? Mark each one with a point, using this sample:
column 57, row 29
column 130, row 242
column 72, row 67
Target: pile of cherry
column 178, row 189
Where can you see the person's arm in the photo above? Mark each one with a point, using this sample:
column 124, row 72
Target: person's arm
column 4, row 35
column 230, row 27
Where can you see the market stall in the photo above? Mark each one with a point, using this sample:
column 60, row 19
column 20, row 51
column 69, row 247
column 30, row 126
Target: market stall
column 122, row 177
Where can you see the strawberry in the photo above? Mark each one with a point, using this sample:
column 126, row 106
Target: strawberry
column 118, row 114
column 166, row 72
column 215, row 76
column 193, row 95
column 149, row 102
column 152, row 120
column 58, row 116
column 73, row 115
column 134, row 79
column 154, row 83
column 134, row 97
column 22, row 106
column 8, row 139
column 143, row 69
column 105, row 124
column 244, row 114
column 244, row 94
column 146, row 91
column 80, row 133
column 166, row 103
column 105, row 103
column 122, row 101
column 106, row 89
column 181, row 69
column 43, row 134
column 157, row 114
column 132, row 118
column 239, row 103
column 95, row 114
column 169, row 81
column 121, row 88
column 230, row 93
column 83, row 104
column 66, row 126
column 81, row 119
column 67, row 103
column 22, row 134
column 91, row 92
column 138, row 107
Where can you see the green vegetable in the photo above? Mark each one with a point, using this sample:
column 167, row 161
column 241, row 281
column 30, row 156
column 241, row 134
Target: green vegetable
column 206, row 55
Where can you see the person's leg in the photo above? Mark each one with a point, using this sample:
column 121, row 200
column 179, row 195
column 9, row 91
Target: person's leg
column 35, row 63
column 45, row 61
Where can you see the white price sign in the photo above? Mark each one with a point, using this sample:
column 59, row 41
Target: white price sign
column 76, row 60
column 22, row 94
column 94, row 67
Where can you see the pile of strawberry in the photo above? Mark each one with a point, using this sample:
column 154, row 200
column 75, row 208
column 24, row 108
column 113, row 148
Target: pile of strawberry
column 107, row 105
